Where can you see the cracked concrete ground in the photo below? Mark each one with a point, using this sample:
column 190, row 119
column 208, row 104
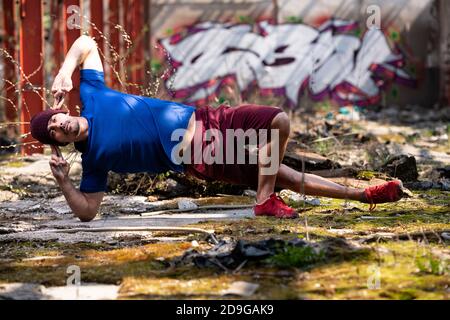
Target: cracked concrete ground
column 406, row 243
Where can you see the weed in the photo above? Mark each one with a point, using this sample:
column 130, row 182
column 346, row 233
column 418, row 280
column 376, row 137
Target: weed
column 324, row 147
column 294, row 20
column 297, row 257
column 430, row 265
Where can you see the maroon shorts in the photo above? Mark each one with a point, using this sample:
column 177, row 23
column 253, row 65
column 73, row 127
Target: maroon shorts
column 222, row 118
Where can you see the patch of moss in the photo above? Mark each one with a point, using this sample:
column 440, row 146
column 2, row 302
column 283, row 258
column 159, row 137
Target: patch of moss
column 146, row 271
column 365, row 175
column 324, row 147
column 15, row 164
column 297, row 257
column 395, row 275
column 432, row 265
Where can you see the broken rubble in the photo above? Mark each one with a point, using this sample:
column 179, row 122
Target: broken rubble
column 8, row 196
column 403, row 167
column 295, row 155
column 30, row 291
column 443, row 185
column 15, row 227
column 21, row 291
column 90, row 291
column 241, row 288
column 231, row 255
column 444, row 172
column 186, row 204
column 421, row 154
column 299, row 199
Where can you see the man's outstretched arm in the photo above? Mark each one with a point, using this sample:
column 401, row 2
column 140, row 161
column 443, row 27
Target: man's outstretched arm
column 84, row 205
column 83, row 52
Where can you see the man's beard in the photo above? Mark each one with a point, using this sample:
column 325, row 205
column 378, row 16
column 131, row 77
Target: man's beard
column 77, row 128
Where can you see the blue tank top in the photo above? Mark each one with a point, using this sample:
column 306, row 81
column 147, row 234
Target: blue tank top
column 127, row 133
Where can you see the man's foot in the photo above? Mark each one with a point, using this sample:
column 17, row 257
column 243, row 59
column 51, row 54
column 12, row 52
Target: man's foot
column 387, row 192
column 274, row 206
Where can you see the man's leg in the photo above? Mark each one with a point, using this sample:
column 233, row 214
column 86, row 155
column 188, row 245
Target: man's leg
column 310, row 184
column 289, row 178
column 266, row 183
column 313, row 185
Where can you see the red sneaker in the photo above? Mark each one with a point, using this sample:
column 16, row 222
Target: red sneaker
column 275, row 207
column 387, row 192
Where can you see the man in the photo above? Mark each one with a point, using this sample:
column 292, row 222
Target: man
column 128, row 133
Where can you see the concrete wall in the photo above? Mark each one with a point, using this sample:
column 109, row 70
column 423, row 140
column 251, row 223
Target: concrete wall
column 411, row 25
column 420, row 28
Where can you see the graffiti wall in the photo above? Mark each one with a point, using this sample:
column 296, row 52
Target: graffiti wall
column 284, row 59
column 315, row 50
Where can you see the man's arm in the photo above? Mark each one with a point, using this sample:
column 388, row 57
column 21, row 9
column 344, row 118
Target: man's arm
column 83, row 52
column 84, row 205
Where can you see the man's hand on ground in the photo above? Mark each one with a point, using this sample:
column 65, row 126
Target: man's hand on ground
column 60, row 168
column 61, row 86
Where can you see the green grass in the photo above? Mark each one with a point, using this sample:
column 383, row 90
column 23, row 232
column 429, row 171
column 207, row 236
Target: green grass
column 431, row 265
column 297, row 257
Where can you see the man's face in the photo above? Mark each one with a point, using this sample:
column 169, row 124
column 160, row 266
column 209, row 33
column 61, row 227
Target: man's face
column 64, row 128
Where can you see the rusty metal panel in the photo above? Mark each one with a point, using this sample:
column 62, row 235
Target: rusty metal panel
column 147, row 42
column 444, row 65
column 72, row 27
column 113, row 71
column 57, row 31
column 127, row 20
column 97, row 24
column 9, row 43
column 31, row 55
column 139, row 38
column 134, row 24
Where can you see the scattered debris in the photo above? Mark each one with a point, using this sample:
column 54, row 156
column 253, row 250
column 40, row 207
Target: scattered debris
column 88, row 291
column 194, row 244
column 341, row 232
column 167, row 185
column 374, row 218
column 403, row 167
column 298, row 199
column 423, row 236
column 231, row 255
column 422, row 155
column 22, row 291
column 444, row 172
column 345, row 151
column 407, row 194
column 336, row 172
column 296, row 155
column 42, row 258
column 241, row 288
column 443, row 185
column 6, row 195
column 29, row 291
column 445, row 236
column 209, row 233
column 17, row 226
column 7, row 142
column 249, row 193
column 186, row 204
column 369, row 175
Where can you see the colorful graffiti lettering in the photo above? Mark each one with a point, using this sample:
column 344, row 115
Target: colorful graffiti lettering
column 284, row 60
